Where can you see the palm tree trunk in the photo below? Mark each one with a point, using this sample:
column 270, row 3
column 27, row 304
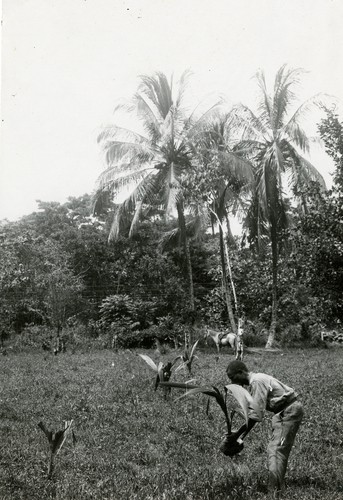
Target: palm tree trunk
column 230, row 236
column 225, row 253
column 225, row 282
column 187, row 254
column 272, row 328
column 259, row 230
column 190, row 275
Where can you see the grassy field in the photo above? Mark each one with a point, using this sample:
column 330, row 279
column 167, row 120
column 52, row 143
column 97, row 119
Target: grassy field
column 131, row 443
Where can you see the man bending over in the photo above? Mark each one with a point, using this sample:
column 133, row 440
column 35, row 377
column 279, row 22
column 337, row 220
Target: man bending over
column 270, row 394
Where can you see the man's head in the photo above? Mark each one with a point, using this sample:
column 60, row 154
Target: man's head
column 238, row 373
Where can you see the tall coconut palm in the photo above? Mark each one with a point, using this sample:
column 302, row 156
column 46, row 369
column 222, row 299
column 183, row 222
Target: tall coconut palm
column 226, row 184
column 151, row 163
column 278, row 143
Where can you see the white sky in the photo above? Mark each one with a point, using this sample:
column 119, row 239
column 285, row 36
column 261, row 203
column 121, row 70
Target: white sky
column 65, row 64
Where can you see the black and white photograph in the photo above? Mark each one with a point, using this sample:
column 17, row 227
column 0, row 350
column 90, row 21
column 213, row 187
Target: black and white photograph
column 171, row 250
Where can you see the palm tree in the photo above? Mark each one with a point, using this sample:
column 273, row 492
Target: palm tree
column 277, row 142
column 151, row 164
column 226, row 186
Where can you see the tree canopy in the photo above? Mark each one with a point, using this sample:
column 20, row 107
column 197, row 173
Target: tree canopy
column 162, row 258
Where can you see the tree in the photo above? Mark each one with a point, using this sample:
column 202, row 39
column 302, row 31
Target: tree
column 331, row 132
column 36, row 278
column 83, row 238
column 317, row 253
column 318, row 236
column 221, row 178
column 151, row 164
column 275, row 141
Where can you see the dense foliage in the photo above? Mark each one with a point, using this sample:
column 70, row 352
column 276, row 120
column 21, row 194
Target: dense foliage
column 58, row 270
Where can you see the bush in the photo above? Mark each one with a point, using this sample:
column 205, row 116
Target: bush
column 255, row 335
column 44, row 338
column 167, row 331
column 126, row 309
column 300, row 335
column 136, row 338
column 34, row 336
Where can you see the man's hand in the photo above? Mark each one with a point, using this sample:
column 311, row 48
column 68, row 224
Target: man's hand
column 234, row 434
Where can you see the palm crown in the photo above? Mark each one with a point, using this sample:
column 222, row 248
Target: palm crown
column 151, row 163
column 276, row 140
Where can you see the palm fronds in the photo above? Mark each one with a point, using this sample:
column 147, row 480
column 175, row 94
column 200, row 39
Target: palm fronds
column 159, row 92
column 318, row 101
column 283, row 95
column 163, row 371
column 188, row 357
column 240, row 394
column 56, row 441
column 133, row 159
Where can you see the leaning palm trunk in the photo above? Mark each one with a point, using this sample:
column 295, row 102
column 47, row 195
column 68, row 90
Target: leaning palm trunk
column 230, row 236
column 225, row 283
column 225, row 253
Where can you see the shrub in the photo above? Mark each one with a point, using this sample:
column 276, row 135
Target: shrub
column 298, row 335
column 35, row 336
column 255, row 335
column 123, row 308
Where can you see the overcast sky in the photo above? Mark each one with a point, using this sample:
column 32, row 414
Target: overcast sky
column 65, row 64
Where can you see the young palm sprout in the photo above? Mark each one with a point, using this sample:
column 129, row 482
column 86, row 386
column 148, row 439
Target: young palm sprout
column 187, row 358
column 56, row 441
column 163, row 371
column 230, row 446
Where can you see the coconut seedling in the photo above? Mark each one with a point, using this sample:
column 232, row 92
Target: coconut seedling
column 188, row 357
column 56, row 441
column 230, row 446
column 163, row 371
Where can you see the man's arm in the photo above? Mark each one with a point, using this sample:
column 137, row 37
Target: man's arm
column 245, row 429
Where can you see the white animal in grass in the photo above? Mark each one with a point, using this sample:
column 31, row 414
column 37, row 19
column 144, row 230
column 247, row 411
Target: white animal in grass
column 229, row 339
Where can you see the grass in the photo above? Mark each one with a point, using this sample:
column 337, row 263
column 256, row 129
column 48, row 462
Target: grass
column 134, row 444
